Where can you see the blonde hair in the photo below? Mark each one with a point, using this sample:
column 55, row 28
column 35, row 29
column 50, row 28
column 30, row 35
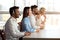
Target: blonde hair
column 42, row 8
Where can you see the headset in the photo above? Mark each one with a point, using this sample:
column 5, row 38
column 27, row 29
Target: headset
column 13, row 11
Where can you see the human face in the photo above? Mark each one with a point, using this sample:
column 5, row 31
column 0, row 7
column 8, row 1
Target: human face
column 30, row 12
column 35, row 10
column 17, row 13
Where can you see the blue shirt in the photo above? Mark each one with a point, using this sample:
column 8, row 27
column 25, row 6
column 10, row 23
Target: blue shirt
column 26, row 25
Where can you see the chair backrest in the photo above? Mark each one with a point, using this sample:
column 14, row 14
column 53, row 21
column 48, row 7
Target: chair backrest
column 20, row 26
column 2, row 33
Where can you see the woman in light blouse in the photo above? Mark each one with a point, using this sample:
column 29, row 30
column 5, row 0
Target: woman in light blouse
column 26, row 25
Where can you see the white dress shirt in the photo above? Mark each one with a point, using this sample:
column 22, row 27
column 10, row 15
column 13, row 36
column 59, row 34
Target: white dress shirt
column 33, row 21
column 38, row 22
column 11, row 29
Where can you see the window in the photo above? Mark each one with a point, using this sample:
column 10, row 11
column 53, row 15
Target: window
column 23, row 3
column 20, row 3
column 4, row 8
column 6, row 4
column 30, row 2
column 50, row 5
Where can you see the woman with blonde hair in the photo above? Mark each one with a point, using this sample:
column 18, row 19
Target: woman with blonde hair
column 41, row 18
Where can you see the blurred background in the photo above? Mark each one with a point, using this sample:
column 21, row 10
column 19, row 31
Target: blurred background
column 52, row 10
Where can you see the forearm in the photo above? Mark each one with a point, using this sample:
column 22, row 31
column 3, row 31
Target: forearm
column 21, row 34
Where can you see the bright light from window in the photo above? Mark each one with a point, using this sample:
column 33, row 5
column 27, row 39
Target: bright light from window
column 6, row 4
column 50, row 5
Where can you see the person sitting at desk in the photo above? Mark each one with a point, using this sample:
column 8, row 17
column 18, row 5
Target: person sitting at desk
column 11, row 26
column 26, row 25
column 34, row 9
column 42, row 14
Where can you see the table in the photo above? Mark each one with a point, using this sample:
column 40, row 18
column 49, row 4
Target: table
column 50, row 31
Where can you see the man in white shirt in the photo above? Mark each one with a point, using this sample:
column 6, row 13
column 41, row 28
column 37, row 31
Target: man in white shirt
column 32, row 17
column 11, row 26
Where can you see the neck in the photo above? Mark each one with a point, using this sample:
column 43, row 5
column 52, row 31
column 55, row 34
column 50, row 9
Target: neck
column 14, row 16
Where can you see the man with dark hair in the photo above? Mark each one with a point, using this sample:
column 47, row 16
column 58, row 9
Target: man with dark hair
column 12, row 10
column 32, row 17
column 33, row 6
column 11, row 26
column 34, row 9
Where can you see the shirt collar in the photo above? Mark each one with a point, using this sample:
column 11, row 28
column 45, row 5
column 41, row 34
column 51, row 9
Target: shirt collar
column 14, row 19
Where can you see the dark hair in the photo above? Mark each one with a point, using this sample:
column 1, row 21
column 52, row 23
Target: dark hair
column 12, row 10
column 25, row 14
column 33, row 6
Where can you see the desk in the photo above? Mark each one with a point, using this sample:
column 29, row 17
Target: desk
column 50, row 31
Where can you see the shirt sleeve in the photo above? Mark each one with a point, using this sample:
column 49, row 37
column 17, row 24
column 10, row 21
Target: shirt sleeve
column 14, row 31
column 33, row 22
column 29, row 28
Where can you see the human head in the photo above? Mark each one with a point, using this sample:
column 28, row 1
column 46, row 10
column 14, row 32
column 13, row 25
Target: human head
column 26, row 11
column 34, row 9
column 42, row 10
column 14, row 11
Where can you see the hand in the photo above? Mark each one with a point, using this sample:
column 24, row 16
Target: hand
column 27, row 33
column 19, row 23
column 37, row 30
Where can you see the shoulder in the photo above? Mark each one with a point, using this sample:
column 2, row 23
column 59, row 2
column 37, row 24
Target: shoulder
column 10, row 21
column 26, row 18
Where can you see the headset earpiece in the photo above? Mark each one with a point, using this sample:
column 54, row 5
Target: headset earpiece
column 13, row 12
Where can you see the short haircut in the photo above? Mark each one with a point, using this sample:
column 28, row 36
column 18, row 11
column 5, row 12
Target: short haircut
column 12, row 10
column 33, row 6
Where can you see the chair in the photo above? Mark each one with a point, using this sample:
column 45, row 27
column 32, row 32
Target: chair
column 2, row 34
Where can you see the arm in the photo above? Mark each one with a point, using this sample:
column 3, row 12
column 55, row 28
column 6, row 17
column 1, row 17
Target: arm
column 44, row 19
column 28, row 26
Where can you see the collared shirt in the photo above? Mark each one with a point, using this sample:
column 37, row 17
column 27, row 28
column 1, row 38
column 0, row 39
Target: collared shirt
column 33, row 21
column 11, row 29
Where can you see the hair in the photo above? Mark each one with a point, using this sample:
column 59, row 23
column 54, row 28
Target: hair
column 42, row 8
column 12, row 10
column 33, row 6
column 25, row 13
